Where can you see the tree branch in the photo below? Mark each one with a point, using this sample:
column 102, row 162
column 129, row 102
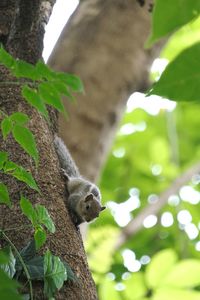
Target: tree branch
column 136, row 224
column 28, row 27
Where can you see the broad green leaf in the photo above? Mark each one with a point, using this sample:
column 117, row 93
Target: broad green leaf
column 50, row 96
column 7, row 282
column 185, row 37
column 170, row 15
column 22, row 175
column 63, row 89
column 8, row 288
column 175, row 294
column 27, row 253
column 9, row 267
column 44, row 71
column 55, row 274
column 26, row 139
column 40, row 237
column 3, row 158
column 35, row 100
column 135, row 283
column 28, row 210
column 72, row 81
column 25, row 297
column 19, row 118
column 6, row 127
column 4, row 257
column 6, row 59
column 35, row 267
column 44, row 218
column 181, row 79
column 34, row 264
column 184, row 274
column 4, row 195
column 10, row 294
column 159, row 267
column 70, row 273
column 24, row 69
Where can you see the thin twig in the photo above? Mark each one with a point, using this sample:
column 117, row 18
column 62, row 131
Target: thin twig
column 136, row 224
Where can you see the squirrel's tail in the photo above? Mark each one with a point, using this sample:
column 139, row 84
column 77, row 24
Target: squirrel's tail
column 66, row 161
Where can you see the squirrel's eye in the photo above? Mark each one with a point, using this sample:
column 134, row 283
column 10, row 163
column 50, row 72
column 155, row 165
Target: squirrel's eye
column 87, row 207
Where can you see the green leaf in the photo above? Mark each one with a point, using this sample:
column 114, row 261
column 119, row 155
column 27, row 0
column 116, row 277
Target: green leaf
column 50, row 96
column 62, row 88
column 28, row 210
column 19, row 118
column 22, row 175
column 9, row 267
column 55, row 274
column 35, row 100
column 24, row 69
column 26, row 139
column 44, row 70
column 25, row 297
column 4, row 195
column 9, row 166
column 34, row 264
column 6, row 59
column 181, row 79
column 4, row 257
column 170, row 15
column 184, row 274
column 8, row 287
column 3, row 158
column 44, row 218
column 27, row 253
column 185, row 37
column 160, row 265
column 35, row 268
column 40, row 237
column 6, row 127
column 70, row 274
column 72, row 81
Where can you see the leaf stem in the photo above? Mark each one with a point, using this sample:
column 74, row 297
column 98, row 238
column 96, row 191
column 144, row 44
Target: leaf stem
column 21, row 261
column 15, row 82
column 16, row 228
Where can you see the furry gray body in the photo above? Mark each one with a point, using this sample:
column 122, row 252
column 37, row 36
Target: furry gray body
column 84, row 199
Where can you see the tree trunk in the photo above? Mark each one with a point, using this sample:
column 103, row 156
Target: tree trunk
column 23, row 38
column 103, row 43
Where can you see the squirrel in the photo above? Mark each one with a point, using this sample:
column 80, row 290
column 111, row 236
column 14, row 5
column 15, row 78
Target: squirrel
column 84, row 201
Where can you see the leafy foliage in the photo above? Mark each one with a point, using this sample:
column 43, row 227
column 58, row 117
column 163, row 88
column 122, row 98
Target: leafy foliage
column 152, row 148
column 51, row 85
column 170, row 15
column 143, row 285
column 181, row 73
column 42, row 87
column 38, row 216
column 55, row 274
column 10, row 168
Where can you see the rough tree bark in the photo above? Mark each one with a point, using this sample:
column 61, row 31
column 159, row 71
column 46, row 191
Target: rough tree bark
column 103, row 43
column 21, row 32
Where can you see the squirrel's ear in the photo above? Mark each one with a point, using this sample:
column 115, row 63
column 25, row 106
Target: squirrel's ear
column 89, row 197
column 103, row 207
